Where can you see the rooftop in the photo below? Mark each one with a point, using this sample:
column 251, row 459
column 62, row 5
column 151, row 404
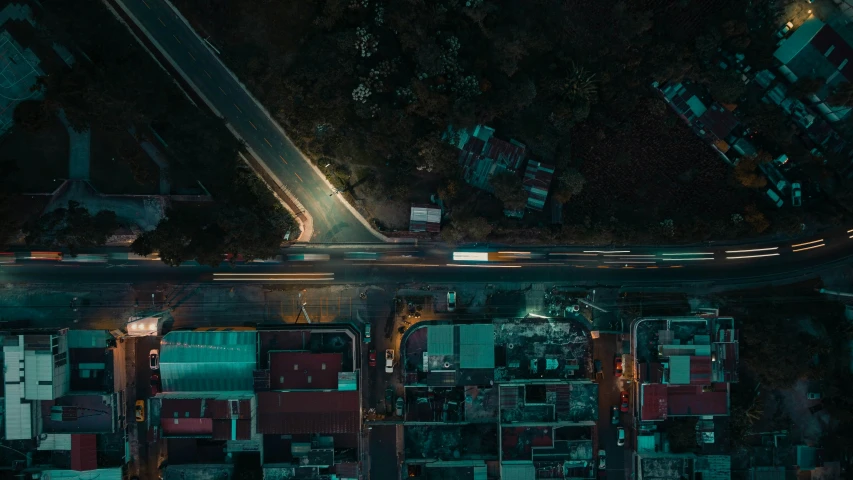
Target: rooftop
column 206, row 418
column 79, row 414
column 304, row 370
column 308, row 412
column 658, row 401
column 207, row 361
column 537, row 182
column 451, row 442
column 549, row 402
column 535, row 348
column 665, row 467
column 425, row 218
column 482, row 156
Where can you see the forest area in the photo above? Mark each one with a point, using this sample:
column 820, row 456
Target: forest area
column 371, row 87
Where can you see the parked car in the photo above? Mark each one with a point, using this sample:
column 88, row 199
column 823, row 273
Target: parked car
column 597, row 366
column 614, row 415
column 813, row 396
column 620, row 436
column 399, row 406
column 367, row 333
column 155, row 384
column 624, row 406
column 796, row 194
column 602, row 460
column 782, row 32
column 140, row 410
column 617, row 367
column 774, row 197
column 371, row 358
column 154, row 359
column 389, row 361
column 451, row 301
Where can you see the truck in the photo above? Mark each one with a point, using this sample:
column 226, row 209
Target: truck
column 308, row 257
column 774, row 197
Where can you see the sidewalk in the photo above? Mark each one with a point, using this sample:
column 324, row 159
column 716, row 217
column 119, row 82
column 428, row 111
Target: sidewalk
column 79, row 151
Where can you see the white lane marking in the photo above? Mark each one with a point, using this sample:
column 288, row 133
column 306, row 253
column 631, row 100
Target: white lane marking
column 753, row 256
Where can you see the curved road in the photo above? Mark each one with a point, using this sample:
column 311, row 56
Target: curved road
column 370, row 264
column 333, row 221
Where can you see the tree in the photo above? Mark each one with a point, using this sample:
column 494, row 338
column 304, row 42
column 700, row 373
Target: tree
column 32, row 115
column 510, row 190
column 805, row 87
column 466, row 228
column 842, row 96
column 73, row 228
column 569, row 184
column 747, row 174
column 682, row 434
column 756, row 219
column 726, row 86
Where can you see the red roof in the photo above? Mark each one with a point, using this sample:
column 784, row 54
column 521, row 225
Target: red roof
column 187, row 427
column 700, row 370
column 181, row 408
column 691, row 400
column 653, row 402
column 304, row 370
column 222, row 409
column 84, row 452
column 504, row 153
column 308, row 412
column 347, row 470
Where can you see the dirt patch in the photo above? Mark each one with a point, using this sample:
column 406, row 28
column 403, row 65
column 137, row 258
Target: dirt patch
column 120, row 166
column 40, row 158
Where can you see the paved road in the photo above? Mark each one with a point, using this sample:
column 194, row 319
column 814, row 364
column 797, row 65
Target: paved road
column 333, row 222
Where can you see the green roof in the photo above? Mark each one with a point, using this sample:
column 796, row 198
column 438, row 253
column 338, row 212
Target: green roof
column 208, row 361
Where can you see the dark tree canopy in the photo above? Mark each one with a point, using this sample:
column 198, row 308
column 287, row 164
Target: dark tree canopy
column 72, row 228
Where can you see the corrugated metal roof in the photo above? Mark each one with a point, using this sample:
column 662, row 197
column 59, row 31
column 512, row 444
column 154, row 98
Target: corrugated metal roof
column 84, row 452
column 700, row 370
column 207, row 361
column 537, row 182
column 55, row 441
column 100, row 474
column 518, row 471
column 653, row 402
column 476, row 346
column 308, row 412
column 425, row 218
column 187, row 427
column 693, row 400
column 801, row 37
column 88, row 338
column 679, row 370
column 304, row 370
column 440, row 340
column 232, row 429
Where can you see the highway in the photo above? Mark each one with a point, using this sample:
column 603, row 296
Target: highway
column 376, row 264
column 332, row 220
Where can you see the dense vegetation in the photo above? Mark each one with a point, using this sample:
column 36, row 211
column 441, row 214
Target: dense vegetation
column 372, row 85
column 114, row 85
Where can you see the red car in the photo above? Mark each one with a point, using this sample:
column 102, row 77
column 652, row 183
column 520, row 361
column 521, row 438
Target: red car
column 371, row 358
column 155, row 384
column 617, row 367
column 624, row 403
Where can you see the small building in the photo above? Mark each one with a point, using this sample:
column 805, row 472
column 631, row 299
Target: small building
column 425, row 218
column 537, row 182
column 290, row 413
column 483, row 156
column 208, row 361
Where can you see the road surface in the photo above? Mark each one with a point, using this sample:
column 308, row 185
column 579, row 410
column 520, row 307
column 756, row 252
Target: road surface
column 332, row 220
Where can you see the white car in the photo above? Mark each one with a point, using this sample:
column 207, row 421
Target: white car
column 602, row 460
column 366, row 333
column 389, row 361
column 154, row 359
column 451, row 301
column 620, row 436
column 796, row 194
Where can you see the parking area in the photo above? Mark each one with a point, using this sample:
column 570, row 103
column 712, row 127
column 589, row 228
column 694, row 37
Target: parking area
column 147, row 448
column 607, row 349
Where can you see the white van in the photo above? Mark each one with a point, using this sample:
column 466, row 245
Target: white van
column 389, row 361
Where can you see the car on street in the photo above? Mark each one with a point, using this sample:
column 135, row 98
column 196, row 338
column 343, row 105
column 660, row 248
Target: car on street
column 371, row 358
column 154, row 359
column 140, row 410
column 624, row 404
column 620, row 436
column 614, row 415
column 155, row 384
column 367, row 333
column 783, row 31
column 399, row 406
column 389, row 361
column 451, row 301
column 796, row 194
column 602, row 460
column 617, row 367
column 597, row 364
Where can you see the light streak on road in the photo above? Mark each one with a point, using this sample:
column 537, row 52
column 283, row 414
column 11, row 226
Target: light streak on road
column 630, row 261
column 686, row 259
column 687, row 254
column 577, row 254
column 471, row 256
column 809, row 248
column 482, row 266
column 238, row 108
column 421, row 265
column 268, row 142
column 514, row 253
column 146, row 4
column 208, row 74
column 178, row 39
column 632, row 256
column 806, row 243
column 753, row 256
column 297, row 176
column 606, row 251
column 281, row 157
column 253, row 125
column 753, row 250
column 277, row 277
column 161, row 21
column 222, row 90
column 191, row 55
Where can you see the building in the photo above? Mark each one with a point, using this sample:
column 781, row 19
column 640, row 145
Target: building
column 522, row 409
column 537, row 182
column 425, row 218
column 816, row 50
column 669, row 466
column 483, row 156
column 695, row 361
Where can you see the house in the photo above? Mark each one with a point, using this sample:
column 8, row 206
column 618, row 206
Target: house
column 537, row 182
column 689, row 377
column 425, row 218
column 482, row 155
column 816, row 50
